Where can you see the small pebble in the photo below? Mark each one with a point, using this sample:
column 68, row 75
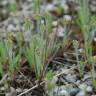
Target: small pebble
column 83, row 87
column 55, row 79
column 12, row 90
column 81, row 50
column 66, row 8
column 25, row 90
column 61, row 32
column 42, row 21
column 86, row 77
column 74, row 91
column 93, row 2
column 70, row 78
column 18, row 90
column 50, row 7
column 63, row 93
column 67, row 17
column 81, row 93
column 89, row 89
column 6, row 86
column 92, row 8
column 11, row 28
column 77, row 82
column 2, row 88
column 54, row 23
column 94, row 39
column 8, row 94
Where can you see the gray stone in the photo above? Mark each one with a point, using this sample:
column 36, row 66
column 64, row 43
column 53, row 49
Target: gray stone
column 54, row 23
column 89, row 89
column 70, row 78
column 92, row 8
column 6, row 86
column 74, row 91
column 63, row 93
column 77, row 82
column 12, row 90
column 67, row 18
column 50, row 7
column 2, row 88
column 83, row 87
column 18, row 90
column 60, row 32
column 81, row 93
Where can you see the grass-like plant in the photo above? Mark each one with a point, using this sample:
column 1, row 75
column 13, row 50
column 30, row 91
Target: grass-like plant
column 80, row 63
column 8, row 58
column 13, row 58
column 37, row 54
column 3, row 56
column 87, row 23
column 40, row 48
column 84, row 18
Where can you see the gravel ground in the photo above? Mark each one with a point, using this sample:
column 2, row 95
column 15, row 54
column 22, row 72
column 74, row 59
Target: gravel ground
column 14, row 23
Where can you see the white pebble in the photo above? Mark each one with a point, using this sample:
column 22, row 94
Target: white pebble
column 67, row 18
column 42, row 21
column 95, row 39
column 54, row 23
column 55, row 79
column 83, row 86
column 18, row 90
column 61, row 32
column 2, row 88
column 11, row 28
column 66, row 8
column 50, row 7
column 89, row 89
column 63, row 93
column 81, row 50
column 81, row 93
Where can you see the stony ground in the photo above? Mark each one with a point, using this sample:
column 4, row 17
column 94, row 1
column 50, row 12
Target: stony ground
column 68, row 83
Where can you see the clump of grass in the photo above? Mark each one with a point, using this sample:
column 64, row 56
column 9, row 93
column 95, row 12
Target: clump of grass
column 37, row 54
column 87, row 22
column 40, row 48
column 13, row 7
column 8, row 58
column 84, row 18
column 3, row 56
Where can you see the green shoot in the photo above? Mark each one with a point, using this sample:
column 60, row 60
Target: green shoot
column 13, row 59
column 27, row 24
column 13, row 7
column 80, row 64
column 49, row 84
column 3, row 56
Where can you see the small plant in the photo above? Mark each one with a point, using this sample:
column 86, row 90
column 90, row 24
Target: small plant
column 65, row 38
column 34, row 55
column 84, row 18
column 49, row 84
column 87, row 23
column 48, row 26
column 37, row 54
column 8, row 58
column 3, row 56
column 40, row 48
column 94, row 83
column 36, row 6
column 80, row 64
column 27, row 24
column 13, row 7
